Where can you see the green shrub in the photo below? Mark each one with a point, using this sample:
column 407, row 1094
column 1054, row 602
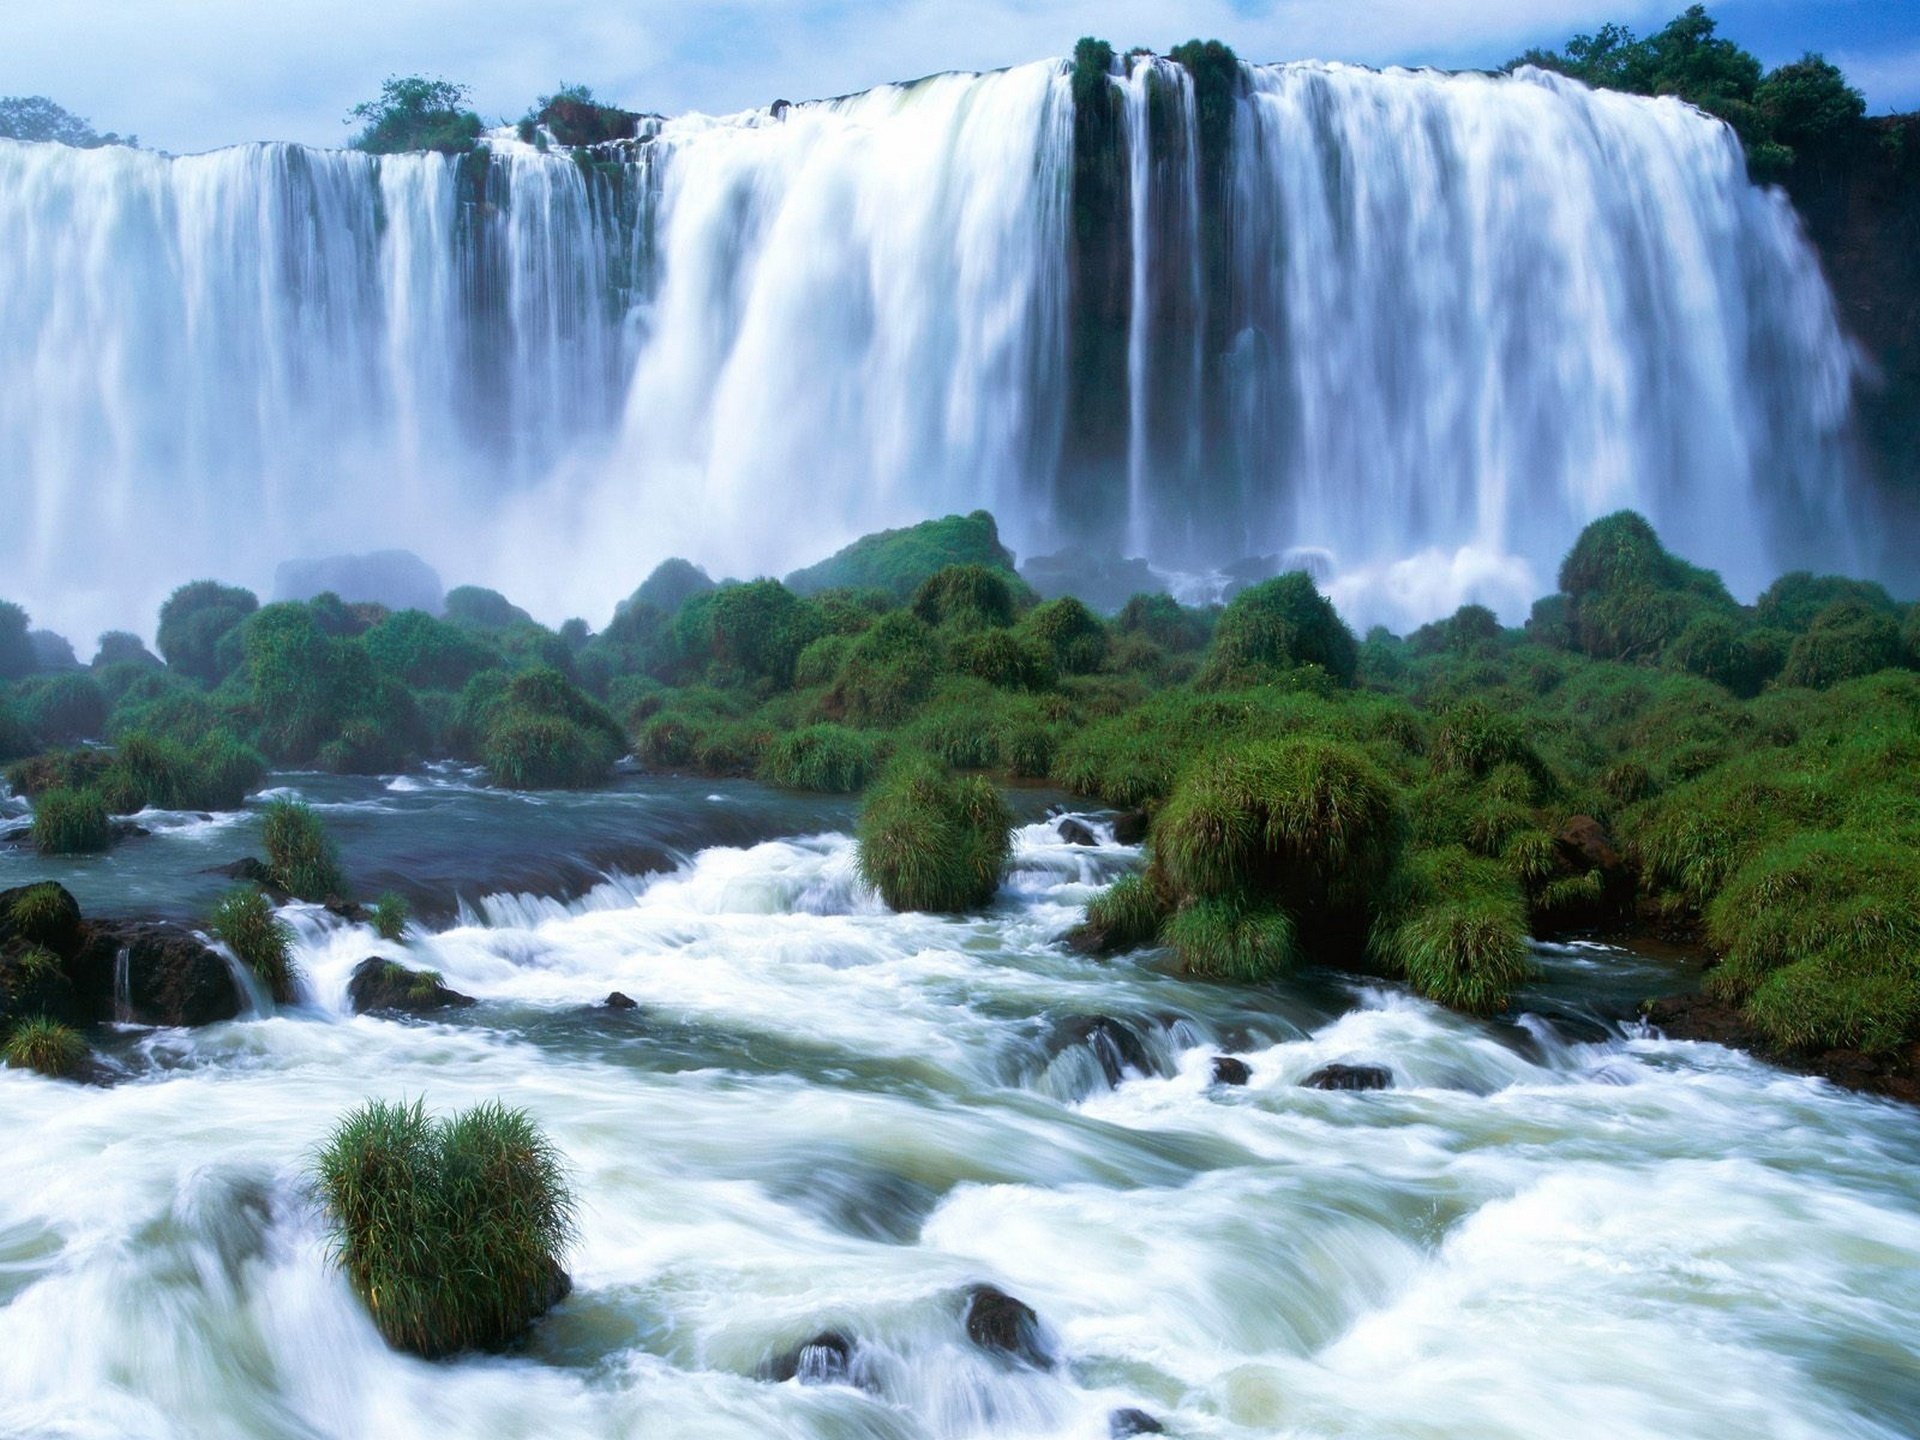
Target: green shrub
column 193, row 622
column 64, row 708
column 1166, row 622
column 931, row 841
column 1069, row 633
column 968, row 596
column 16, row 650
column 896, row 561
column 820, row 662
column 452, row 1231
column 46, row 915
column 672, row 583
column 1475, row 739
column 48, row 1048
column 426, row 653
column 750, row 633
column 1229, row 939
column 1278, row 625
column 1306, row 823
column 415, row 113
column 1128, row 913
column 1002, row 658
column 546, row 752
column 389, row 917
column 71, row 822
column 121, row 647
column 145, row 772
column 1794, row 601
column 301, row 856
column 16, row 740
column 1848, row 639
column 830, row 759
column 478, row 608
column 1455, row 928
column 887, row 674
column 244, row 922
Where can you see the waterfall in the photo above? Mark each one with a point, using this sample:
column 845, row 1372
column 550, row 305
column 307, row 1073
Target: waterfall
column 122, row 987
column 1424, row 324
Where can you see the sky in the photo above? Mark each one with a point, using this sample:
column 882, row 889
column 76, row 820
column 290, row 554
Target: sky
column 188, row 75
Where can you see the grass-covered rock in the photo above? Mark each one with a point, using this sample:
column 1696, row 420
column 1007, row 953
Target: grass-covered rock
column 1278, row 625
column 931, row 840
column 452, row 1231
column 301, row 856
column 46, row 1047
column 1230, row 938
column 827, row 758
column 1455, row 928
column 71, row 822
column 897, row 561
column 244, row 922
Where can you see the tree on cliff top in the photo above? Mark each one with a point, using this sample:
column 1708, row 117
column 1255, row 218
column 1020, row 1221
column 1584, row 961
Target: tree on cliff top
column 35, row 117
column 415, row 113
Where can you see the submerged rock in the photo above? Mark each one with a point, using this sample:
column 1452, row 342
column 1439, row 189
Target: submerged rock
column 996, row 1321
column 1122, row 1423
column 1350, row 1077
column 1230, row 1071
column 386, row 985
column 826, row 1359
column 1115, row 1044
column 1077, row 832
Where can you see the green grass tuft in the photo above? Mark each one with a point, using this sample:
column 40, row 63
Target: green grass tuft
column 47, row 1048
column 389, row 917
column 300, row 854
column 71, row 822
column 244, row 921
column 930, row 840
column 1227, row 939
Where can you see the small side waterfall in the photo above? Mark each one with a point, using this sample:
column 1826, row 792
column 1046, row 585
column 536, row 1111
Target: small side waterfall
column 122, row 987
column 1428, row 324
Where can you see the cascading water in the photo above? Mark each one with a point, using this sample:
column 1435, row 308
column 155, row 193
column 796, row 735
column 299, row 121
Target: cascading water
column 1426, row 323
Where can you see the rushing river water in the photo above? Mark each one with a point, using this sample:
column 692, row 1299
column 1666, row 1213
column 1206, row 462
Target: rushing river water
column 825, row 1116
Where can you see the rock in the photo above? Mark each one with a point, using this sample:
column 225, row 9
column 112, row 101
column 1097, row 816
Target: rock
column 1229, row 1071
column 1115, row 1044
column 1122, row 1423
column 996, row 1321
column 1350, row 1077
column 1102, row 581
column 826, row 1359
column 1585, row 844
column 56, row 925
column 386, row 985
column 247, row 868
column 620, row 1001
column 1130, row 827
column 397, row 579
column 1077, row 832
column 171, row 978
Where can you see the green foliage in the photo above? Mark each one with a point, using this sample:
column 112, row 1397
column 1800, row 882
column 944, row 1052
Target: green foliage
column 193, row 622
column 1848, row 639
column 830, row 759
column 1455, row 928
column 1166, row 622
column 413, row 647
column 574, row 117
column 752, row 633
column 301, row 856
column 889, row 671
column 968, row 596
column 71, row 822
column 670, row 586
column 1277, row 625
column 541, row 731
column 1306, row 823
column 1092, row 64
column 929, row 840
column 1128, row 913
column 16, row 740
column 16, row 650
column 1070, row 634
column 47, row 1048
column 119, row 647
column 452, row 1231
column 414, row 113
column 389, row 917
column 317, row 696
column 35, row 117
column 1216, row 85
column 44, row 915
column 65, row 707
column 1228, row 939
column 896, row 561
column 1002, row 658
column 479, row 608
column 244, row 922
column 217, row 773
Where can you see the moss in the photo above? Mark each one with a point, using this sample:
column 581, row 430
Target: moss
column 1228, row 939
column 451, row 1231
column 301, row 856
column 1278, row 625
column 827, row 758
column 896, row 561
column 244, row 922
column 71, row 822
column 1455, row 928
column 47, row 1048
column 931, row 841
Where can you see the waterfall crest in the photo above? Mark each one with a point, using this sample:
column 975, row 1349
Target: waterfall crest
column 1426, row 324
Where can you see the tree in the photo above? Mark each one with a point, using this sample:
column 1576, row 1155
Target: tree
column 415, row 113
column 1808, row 104
column 35, row 117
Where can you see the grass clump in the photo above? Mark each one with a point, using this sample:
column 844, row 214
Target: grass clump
column 1456, row 931
column 453, row 1230
column 301, row 856
column 1128, row 913
column 48, row 1048
column 71, row 822
column 896, row 561
column 389, row 917
column 1230, row 939
column 930, row 840
column 1278, row 625
column 244, row 922
column 830, row 759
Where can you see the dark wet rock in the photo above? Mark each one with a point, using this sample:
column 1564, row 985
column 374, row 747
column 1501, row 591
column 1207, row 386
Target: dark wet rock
column 386, row 985
column 250, row 870
column 996, row 1321
column 619, row 1000
column 1350, row 1077
column 1077, row 832
column 1583, row 842
column 34, row 983
column 1122, row 1423
column 826, row 1359
column 1117, row 1045
column 1229, row 1071
column 1130, row 827
column 171, row 977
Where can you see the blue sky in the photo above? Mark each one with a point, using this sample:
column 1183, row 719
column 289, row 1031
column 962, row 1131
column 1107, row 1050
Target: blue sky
column 192, row 74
